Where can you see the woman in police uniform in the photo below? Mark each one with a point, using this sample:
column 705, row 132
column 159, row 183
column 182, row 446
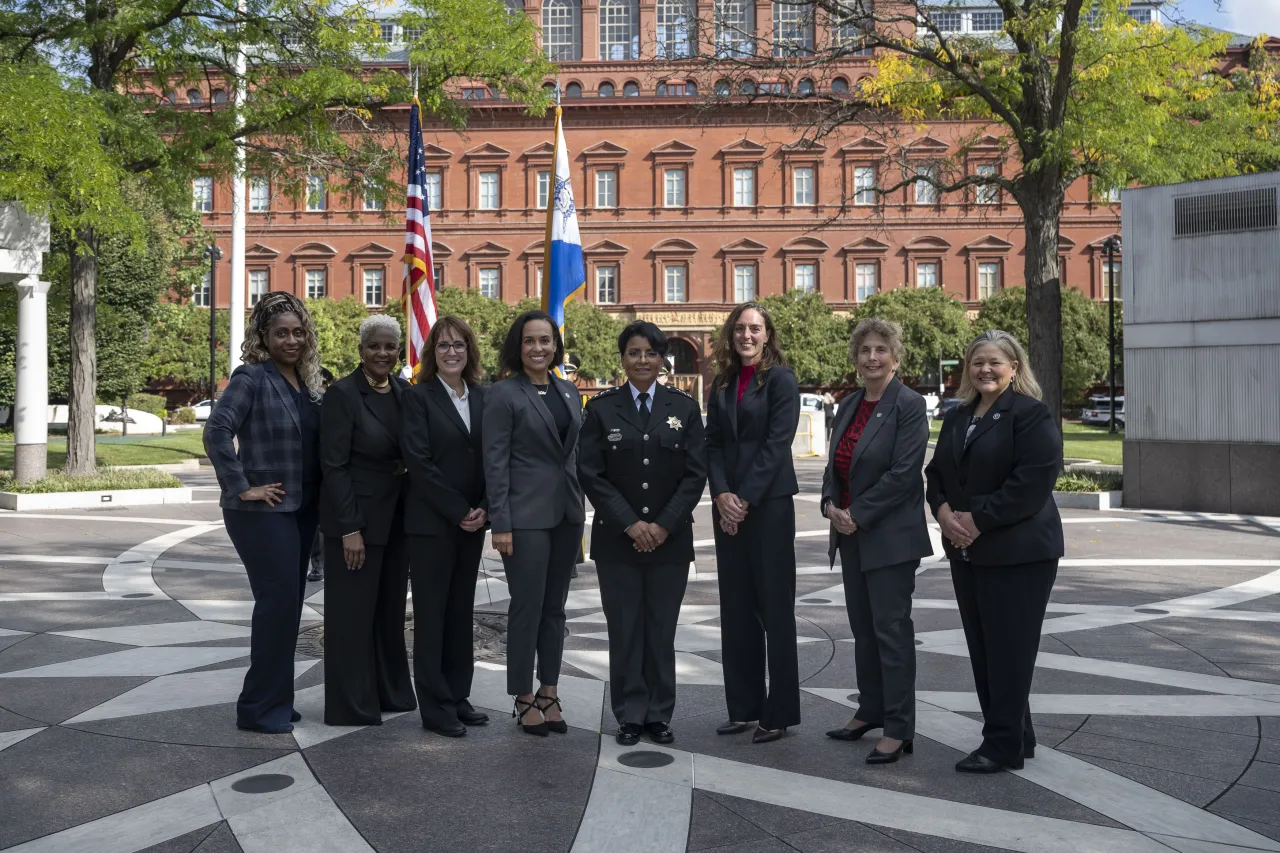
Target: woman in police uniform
column 642, row 462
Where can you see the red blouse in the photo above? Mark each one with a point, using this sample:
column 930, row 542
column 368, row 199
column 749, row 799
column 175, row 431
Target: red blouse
column 745, row 374
column 847, row 443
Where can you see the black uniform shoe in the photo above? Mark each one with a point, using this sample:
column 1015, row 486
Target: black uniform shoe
column 764, row 735
column 975, row 763
column 628, row 734
column 315, row 574
column 448, row 729
column 659, row 732
column 472, row 717
column 732, row 728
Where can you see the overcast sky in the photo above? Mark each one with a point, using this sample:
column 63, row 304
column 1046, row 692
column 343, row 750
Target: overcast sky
column 1241, row 16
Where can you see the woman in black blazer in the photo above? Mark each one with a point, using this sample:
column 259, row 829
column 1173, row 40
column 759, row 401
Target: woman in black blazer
column 752, row 415
column 445, row 518
column 873, row 494
column 990, row 485
column 366, row 668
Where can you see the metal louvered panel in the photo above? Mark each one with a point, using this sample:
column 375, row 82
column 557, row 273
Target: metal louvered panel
column 1224, row 212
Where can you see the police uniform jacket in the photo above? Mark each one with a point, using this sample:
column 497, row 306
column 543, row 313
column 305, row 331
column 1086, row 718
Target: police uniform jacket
column 634, row 470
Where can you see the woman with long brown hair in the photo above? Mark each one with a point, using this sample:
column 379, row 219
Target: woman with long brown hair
column 751, row 421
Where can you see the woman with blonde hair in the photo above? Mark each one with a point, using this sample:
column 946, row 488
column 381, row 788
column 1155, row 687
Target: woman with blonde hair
column 269, row 490
column 990, row 486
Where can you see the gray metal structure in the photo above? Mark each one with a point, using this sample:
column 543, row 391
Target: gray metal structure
column 1201, row 285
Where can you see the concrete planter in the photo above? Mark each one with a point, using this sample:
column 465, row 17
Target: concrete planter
column 186, row 466
column 1088, row 500
column 84, row 500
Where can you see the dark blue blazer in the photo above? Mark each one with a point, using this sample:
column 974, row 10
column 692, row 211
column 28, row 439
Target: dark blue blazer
column 749, row 441
column 259, row 409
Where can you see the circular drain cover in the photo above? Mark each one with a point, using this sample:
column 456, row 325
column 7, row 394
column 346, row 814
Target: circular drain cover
column 1151, row 610
column 646, row 758
column 262, row 784
column 815, row 601
column 137, row 595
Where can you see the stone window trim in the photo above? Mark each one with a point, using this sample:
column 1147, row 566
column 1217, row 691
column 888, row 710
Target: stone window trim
column 487, row 255
column 603, row 155
column 868, row 250
column 1098, row 271
column 300, row 278
column 486, row 158
column 672, row 155
column 371, row 256
column 672, row 252
column 927, row 152
column 986, row 250
column 862, row 153
column 437, row 160
column 604, row 253
column 743, row 252
column 975, row 160
column 743, row 154
column 803, row 250
column 924, row 249
column 358, row 285
column 531, row 266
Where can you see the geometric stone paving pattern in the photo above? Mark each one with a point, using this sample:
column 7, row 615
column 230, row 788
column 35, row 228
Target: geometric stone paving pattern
column 124, row 641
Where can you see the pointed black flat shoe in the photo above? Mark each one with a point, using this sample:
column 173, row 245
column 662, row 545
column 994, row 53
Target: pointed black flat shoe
column 849, row 734
column 764, row 735
column 907, row 747
column 732, row 727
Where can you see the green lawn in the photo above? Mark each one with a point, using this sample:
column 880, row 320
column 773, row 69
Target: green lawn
column 1079, row 442
column 121, row 450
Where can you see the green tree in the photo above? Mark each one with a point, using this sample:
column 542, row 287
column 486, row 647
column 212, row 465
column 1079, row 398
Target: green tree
column 814, row 339
column 1084, row 334
column 337, row 323
column 592, row 335
column 935, row 325
column 178, row 345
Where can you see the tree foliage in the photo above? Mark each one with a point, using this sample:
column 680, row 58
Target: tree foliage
column 592, row 335
column 178, row 347
column 814, row 339
column 337, row 323
column 935, row 325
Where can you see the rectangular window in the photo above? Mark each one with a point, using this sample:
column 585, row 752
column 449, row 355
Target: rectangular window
column 986, row 193
column 544, row 189
column 259, row 195
column 489, row 282
column 202, row 194
column 803, row 179
column 1111, row 195
column 744, row 188
column 438, row 272
column 864, row 281
column 864, row 185
column 926, row 193
column 315, row 192
column 1107, row 279
column 387, row 32
column 372, row 201
column 488, row 190
column 475, row 93
column 673, row 188
column 988, row 280
column 200, row 293
column 1142, row 16
column 316, row 284
column 805, row 277
column 258, row 286
column 433, row 189
column 676, row 276
column 792, row 28
column 607, row 285
column 373, row 290
column 927, row 274
column 947, row 22
column 538, row 284
column 606, row 188
column 744, row 282
column 986, row 21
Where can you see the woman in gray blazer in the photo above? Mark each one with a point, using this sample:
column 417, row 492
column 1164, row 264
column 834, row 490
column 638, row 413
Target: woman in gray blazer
column 873, row 494
column 530, row 441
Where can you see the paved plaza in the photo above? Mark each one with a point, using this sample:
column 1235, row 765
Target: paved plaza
column 124, row 638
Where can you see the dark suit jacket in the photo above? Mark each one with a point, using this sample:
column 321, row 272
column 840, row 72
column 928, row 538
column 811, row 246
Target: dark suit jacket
column 653, row 473
column 1005, row 477
column 886, row 484
column 446, row 466
column 749, row 442
column 530, row 474
column 363, row 472
column 259, row 408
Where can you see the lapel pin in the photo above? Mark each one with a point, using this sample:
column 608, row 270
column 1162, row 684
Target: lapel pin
column 878, row 414
column 996, row 416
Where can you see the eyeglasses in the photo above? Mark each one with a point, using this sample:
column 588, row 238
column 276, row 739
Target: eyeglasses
column 445, row 346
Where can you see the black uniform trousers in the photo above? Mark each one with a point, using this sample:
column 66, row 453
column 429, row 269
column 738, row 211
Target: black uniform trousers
column 642, row 606
column 1002, row 609
column 756, row 574
column 275, row 548
column 538, row 574
column 443, row 569
column 884, row 640
column 366, row 667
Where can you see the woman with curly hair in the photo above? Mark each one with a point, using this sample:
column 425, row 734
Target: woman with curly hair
column 269, row 490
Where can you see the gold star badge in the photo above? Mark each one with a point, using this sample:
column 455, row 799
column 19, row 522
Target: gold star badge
column 674, row 422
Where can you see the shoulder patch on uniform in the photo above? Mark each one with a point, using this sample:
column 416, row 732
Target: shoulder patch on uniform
column 615, row 389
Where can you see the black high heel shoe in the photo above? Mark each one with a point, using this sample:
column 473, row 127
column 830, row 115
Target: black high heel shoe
column 558, row 726
column 539, row 729
column 846, row 733
column 878, row 757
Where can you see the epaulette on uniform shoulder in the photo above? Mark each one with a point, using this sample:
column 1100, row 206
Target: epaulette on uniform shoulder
column 615, row 389
column 678, row 390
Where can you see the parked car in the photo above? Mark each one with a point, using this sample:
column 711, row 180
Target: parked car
column 1098, row 412
column 945, row 406
column 203, row 409
column 811, row 402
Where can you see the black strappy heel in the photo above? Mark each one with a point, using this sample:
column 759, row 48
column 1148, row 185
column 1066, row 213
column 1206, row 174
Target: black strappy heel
column 558, row 726
column 539, row 729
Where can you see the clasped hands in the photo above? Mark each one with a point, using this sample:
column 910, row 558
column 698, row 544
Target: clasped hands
column 958, row 527
column 733, row 511
column 474, row 520
column 647, row 535
column 841, row 520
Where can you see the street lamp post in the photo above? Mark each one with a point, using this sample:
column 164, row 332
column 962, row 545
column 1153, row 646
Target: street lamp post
column 215, row 255
column 1111, row 246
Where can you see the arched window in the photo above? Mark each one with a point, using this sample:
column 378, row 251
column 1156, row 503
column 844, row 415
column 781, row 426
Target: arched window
column 193, row 96
column 805, row 87
column 792, row 28
column 684, row 355
column 723, row 88
column 219, row 96
column 573, row 90
column 605, row 90
column 619, row 30
column 675, row 19
column 746, row 87
column 631, row 89
column 515, row 7
column 840, row 86
column 691, row 88
column 735, row 27
column 562, row 30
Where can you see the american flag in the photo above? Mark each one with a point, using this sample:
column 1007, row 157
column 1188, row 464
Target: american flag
column 419, row 270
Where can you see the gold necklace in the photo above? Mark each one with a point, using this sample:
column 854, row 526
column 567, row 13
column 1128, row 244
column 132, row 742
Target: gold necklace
column 377, row 386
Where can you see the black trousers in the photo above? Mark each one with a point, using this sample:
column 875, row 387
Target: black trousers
column 884, row 640
column 757, row 581
column 443, row 570
column 366, row 667
column 1002, row 609
column 642, row 606
column 538, row 574
column 275, row 548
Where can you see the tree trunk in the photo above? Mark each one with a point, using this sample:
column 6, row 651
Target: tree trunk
column 1044, row 299
column 82, row 384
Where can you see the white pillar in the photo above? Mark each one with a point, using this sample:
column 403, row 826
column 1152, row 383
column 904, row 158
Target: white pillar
column 31, row 400
column 238, row 209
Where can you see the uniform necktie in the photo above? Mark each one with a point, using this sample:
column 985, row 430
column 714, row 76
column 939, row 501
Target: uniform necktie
column 644, row 407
